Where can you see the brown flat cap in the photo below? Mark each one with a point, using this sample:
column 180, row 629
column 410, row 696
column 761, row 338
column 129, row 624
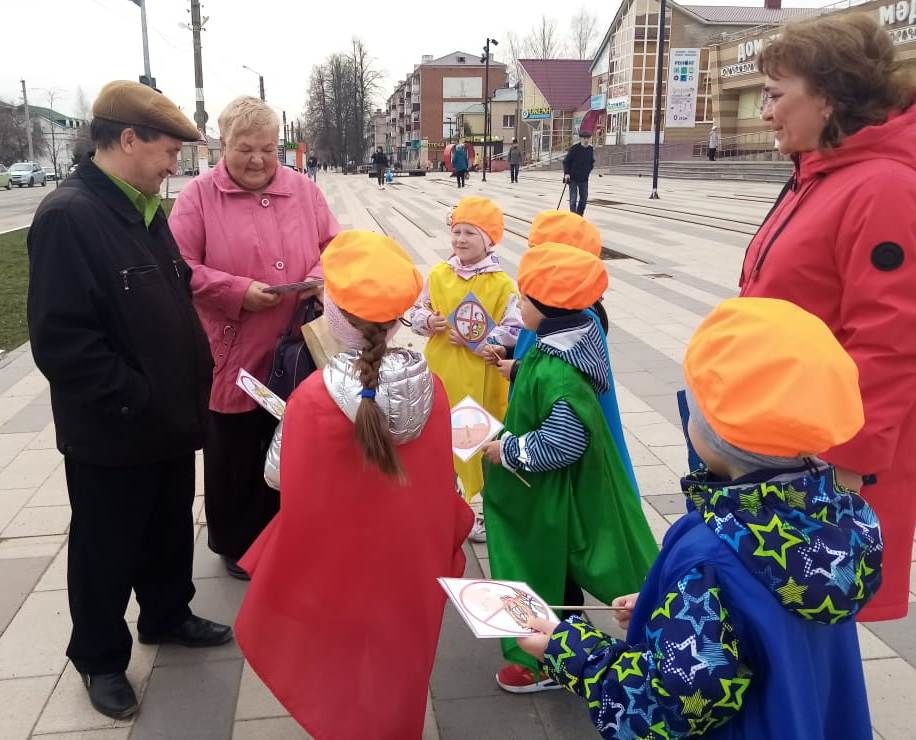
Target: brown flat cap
column 129, row 102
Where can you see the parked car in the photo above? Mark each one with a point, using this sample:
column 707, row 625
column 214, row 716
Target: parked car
column 27, row 173
column 50, row 174
column 5, row 178
column 72, row 169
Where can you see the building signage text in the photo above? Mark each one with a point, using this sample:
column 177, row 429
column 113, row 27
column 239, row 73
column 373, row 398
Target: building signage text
column 536, row 114
column 618, row 105
column 900, row 12
column 683, row 75
column 598, row 102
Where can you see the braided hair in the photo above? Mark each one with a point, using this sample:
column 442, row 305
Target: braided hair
column 372, row 433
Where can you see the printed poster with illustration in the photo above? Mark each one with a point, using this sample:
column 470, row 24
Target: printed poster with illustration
column 263, row 396
column 496, row 608
column 471, row 321
column 472, row 428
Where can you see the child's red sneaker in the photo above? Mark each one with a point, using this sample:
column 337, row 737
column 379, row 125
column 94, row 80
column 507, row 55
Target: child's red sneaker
column 520, row 680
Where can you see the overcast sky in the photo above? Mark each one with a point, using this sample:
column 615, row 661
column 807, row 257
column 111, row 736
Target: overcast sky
column 65, row 44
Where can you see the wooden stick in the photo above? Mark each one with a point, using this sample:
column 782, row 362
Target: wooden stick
column 586, row 607
column 520, row 478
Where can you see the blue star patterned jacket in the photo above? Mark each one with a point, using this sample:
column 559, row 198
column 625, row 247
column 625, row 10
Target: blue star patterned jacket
column 744, row 627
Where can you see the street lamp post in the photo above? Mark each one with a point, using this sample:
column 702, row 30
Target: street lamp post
column 486, row 101
column 659, row 75
column 147, row 75
column 260, row 78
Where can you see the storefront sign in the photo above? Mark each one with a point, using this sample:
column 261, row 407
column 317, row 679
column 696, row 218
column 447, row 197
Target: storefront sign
column 736, row 70
column 904, row 35
column 900, row 12
column 683, row 74
column 598, row 102
column 618, row 105
column 537, row 114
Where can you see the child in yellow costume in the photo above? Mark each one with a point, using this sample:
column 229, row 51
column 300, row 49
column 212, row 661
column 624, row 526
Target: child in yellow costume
column 473, row 268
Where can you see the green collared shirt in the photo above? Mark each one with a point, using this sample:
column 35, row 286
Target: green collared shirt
column 146, row 204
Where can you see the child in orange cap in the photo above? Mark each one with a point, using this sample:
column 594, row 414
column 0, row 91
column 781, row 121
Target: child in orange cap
column 564, row 227
column 573, row 522
column 474, row 268
column 369, row 517
column 744, row 627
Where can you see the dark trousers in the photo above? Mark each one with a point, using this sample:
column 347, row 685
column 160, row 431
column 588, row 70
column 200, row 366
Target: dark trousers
column 380, row 176
column 239, row 503
column 513, row 172
column 579, row 189
column 131, row 528
column 460, row 175
column 711, row 153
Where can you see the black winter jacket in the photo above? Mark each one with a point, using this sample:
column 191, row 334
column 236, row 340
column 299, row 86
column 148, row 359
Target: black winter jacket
column 578, row 162
column 379, row 161
column 113, row 328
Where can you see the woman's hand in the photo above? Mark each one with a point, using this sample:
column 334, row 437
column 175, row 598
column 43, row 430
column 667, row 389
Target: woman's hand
column 623, row 616
column 455, row 338
column 257, row 300
column 492, row 353
column 537, row 643
column 437, row 323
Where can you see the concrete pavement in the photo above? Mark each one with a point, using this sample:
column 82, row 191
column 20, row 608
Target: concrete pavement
column 680, row 256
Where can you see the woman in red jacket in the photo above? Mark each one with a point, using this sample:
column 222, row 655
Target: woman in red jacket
column 841, row 243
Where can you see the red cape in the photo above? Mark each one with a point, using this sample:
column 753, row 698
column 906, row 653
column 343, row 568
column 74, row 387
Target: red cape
column 342, row 617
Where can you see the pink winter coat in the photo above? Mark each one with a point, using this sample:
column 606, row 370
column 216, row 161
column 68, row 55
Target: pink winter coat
column 231, row 237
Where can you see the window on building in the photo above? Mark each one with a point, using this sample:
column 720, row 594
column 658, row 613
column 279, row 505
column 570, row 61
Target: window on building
column 462, row 60
column 749, row 103
column 509, row 121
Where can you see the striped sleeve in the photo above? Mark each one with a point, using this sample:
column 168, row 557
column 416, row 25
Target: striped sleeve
column 557, row 443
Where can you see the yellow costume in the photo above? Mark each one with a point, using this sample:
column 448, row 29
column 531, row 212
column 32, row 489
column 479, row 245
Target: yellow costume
column 462, row 372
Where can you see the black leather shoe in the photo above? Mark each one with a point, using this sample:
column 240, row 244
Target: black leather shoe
column 193, row 632
column 111, row 694
column 234, row 569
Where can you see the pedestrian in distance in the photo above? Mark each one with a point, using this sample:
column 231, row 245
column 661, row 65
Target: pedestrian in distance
column 713, row 144
column 246, row 200
column 113, row 329
column 379, row 164
column 841, row 243
column 460, row 164
column 312, row 167
column 476, row 230
column 370, row 517
column 560, row 510
column 745, row 625
column 515, row 160
column 577, row 166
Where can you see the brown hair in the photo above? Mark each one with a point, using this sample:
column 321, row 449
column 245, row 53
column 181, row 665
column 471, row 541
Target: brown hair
column 372, row 433
column 851, row 62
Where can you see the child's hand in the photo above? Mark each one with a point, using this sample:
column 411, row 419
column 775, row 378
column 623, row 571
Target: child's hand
column 623, row 616
column 493, row 451
column 537, row 643
column 437, row 323
column 455, row 338
column 505, row 368
column 492, row 353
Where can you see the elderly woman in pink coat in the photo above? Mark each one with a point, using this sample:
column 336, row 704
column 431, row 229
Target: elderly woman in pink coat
column 245, row 225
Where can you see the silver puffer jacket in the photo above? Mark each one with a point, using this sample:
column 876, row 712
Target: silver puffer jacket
column 405, row 394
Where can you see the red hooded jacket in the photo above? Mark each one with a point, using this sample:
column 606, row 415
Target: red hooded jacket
column 841, row 243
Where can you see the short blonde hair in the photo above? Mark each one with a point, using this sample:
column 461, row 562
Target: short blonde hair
column 245, row 114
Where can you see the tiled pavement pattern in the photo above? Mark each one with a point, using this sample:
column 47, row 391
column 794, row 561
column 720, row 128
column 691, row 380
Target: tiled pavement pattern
column 684, row 252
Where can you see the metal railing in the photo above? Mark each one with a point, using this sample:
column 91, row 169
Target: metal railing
column 811, row 12
column 757, row 146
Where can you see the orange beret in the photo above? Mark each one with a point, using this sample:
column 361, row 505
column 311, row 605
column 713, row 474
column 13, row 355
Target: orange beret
column 771, row 378
column 563, row 227
column 562, row 276
column 370, row 276
column 482, row 213
column 131, row 103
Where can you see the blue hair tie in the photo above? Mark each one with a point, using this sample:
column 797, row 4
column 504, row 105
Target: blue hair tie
column 367, row 393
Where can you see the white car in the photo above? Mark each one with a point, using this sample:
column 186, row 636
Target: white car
column 5, row 178
column 27, row 174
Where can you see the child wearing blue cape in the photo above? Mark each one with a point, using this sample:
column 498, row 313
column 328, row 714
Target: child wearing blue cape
column 563, row 227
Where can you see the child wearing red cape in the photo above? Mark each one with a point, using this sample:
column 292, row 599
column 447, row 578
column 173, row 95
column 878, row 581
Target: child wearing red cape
column 342, row 617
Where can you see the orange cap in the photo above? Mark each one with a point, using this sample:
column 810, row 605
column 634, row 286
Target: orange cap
column 370, row 276
column 564, row 227
column 482, row 213
column 562, row 276
column 771, row 378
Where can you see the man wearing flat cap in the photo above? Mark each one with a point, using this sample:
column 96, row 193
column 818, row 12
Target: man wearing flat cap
column 113, row 329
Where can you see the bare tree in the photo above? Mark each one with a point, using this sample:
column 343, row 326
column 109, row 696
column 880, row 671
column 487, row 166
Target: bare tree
column 515, row 49
column 14, row 146
column 543, row 41
column 583, row 34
